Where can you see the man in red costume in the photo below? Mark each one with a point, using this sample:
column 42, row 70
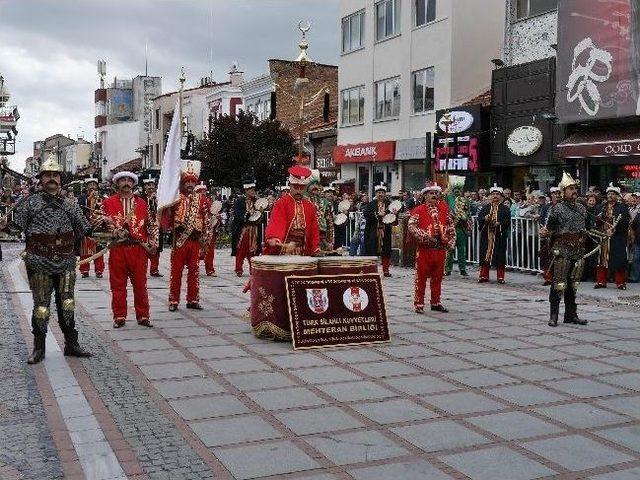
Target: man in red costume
column 435, row 231
column 135, row 235
column 152, row 202
column 90, row 202
column 293, row 225
column 189, row 219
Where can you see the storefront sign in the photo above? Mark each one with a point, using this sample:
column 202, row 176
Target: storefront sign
column 413, row 148
column 329, row 310
column 631, row 171
column 459, row 156
column 326, row 162
column 525, row 140
column 597, row 72
column 365, row 152
column 459, row 122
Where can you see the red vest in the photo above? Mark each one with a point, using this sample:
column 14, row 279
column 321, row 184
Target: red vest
column 282, row 220
column 135, row 221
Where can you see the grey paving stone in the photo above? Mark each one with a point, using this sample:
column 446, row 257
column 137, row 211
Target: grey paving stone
column 227, row 431
column 157, row 356
column 408, row 351
column 543, row 354
column 632, row 362
column 537, row 373
column 411, row 470
column 259, row 380
column 420, row 384
column 581, row 415
column 481, row 377
column 320, row 375
column 525, row 395
column 428, row 338
column 394, row 411
column 514, row 425
column 187, row 388
column 207, row 341
column 627, row 436
column 626, row 380
column 504, row 343
column 144, row 344
column 354, row 355
column 626, row 405
column 237, row 365
column 175, row 332
column 385, row 369
column 255, row 461
column 584, row 388
column 443, row 363
column 494, row 359
column 223, row 351
column 576, row 452
column 284, row 398
column 356, row 447
column 299, row 360
column 208, row 407
column 587, row 350
column 162, row 371
column 463, row 402
column 587, row 367
column 460, row 347
column 550, row 340
column 499, row 463
column 317, row 420
column 631, row 474
column 440, row 435
column 628, row 346
column 355, row 391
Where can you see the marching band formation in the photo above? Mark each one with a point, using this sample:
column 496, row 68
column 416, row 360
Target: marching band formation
column 305, row 221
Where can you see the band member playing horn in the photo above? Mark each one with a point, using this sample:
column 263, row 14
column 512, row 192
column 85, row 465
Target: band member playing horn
column 566, row 233
column 293, row 225
column 189, row 219
column 613, row 220
column 325, row 214
column 150, row 196
column 434, row 229
column 51, row 224
column 461, row 211
column 494, row 221
column 91, row 203
column 377, row 233
column 245, row 234
column 135, row 235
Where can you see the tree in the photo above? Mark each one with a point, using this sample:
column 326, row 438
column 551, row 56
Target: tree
column 240, row 146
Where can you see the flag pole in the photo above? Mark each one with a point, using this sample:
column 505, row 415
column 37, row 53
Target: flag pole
column 182, row 80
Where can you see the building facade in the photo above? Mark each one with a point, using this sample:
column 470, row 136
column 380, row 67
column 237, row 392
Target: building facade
column 402, row 60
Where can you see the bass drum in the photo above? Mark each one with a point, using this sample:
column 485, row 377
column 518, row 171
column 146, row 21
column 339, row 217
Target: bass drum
column 269, row 311
column 347, row 265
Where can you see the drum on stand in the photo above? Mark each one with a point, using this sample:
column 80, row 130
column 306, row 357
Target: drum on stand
column 269, row 311
column 347, row 265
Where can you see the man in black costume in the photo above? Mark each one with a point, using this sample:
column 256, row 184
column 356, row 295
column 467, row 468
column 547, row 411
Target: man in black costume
column 494, row 222
column 377, row 234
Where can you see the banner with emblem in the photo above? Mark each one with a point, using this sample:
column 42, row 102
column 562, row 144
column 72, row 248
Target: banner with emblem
column 336, row 310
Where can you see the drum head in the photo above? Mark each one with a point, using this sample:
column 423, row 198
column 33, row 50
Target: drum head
column 261, row 204
column 389, row 218
column 395, row 206
column 216, row 207
column 255, row 216
column 344, row 206
column 340, row 219
column 294, row 260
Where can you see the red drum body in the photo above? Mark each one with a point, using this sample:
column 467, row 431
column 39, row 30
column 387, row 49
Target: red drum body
column 347, row 265
column 269, row 312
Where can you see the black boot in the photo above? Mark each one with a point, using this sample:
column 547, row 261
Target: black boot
column 554, row 302
column 38, row 350
column 553, row 319
column 71, row 346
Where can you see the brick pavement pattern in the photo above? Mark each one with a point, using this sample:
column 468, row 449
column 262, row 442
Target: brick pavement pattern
column 487, row 391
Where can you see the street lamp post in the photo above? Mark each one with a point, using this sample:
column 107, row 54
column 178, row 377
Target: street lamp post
column 447, row 120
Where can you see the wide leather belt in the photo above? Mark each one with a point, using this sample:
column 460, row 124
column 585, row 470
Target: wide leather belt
column 571, row 240
column 53, row 247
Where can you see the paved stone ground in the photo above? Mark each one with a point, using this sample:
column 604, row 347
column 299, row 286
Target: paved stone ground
column 487, row 391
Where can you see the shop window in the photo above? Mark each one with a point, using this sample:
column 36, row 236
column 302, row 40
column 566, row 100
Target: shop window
column 422, row 86
column 387, row 19
column 363, row 178
column 425, row 12
column 157, row 119
column 352, row 106
column 353, row 32
column 529, row 8
column 387, row 94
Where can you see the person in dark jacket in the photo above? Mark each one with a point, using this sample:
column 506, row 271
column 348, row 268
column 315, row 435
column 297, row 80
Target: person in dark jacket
column 377, row 234
column 494, row 222
column 612, row 219
column 245, row 235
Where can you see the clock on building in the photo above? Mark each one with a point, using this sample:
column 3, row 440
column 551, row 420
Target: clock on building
column 524, row 141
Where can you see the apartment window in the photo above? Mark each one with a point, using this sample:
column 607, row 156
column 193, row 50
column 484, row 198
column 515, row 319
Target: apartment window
column 156, row 148
column 352, row 106
column 387, row 19
column 157, row 119
column 353, row 32
column 529, row 8
column 387, row 98
column 425, row 11
column 422, row 86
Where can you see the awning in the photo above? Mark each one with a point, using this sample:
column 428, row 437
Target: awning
column 601, row 144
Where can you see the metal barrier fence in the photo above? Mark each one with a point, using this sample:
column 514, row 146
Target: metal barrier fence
column 523, row 242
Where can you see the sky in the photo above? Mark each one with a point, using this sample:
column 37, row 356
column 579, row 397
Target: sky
column 49, row 50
